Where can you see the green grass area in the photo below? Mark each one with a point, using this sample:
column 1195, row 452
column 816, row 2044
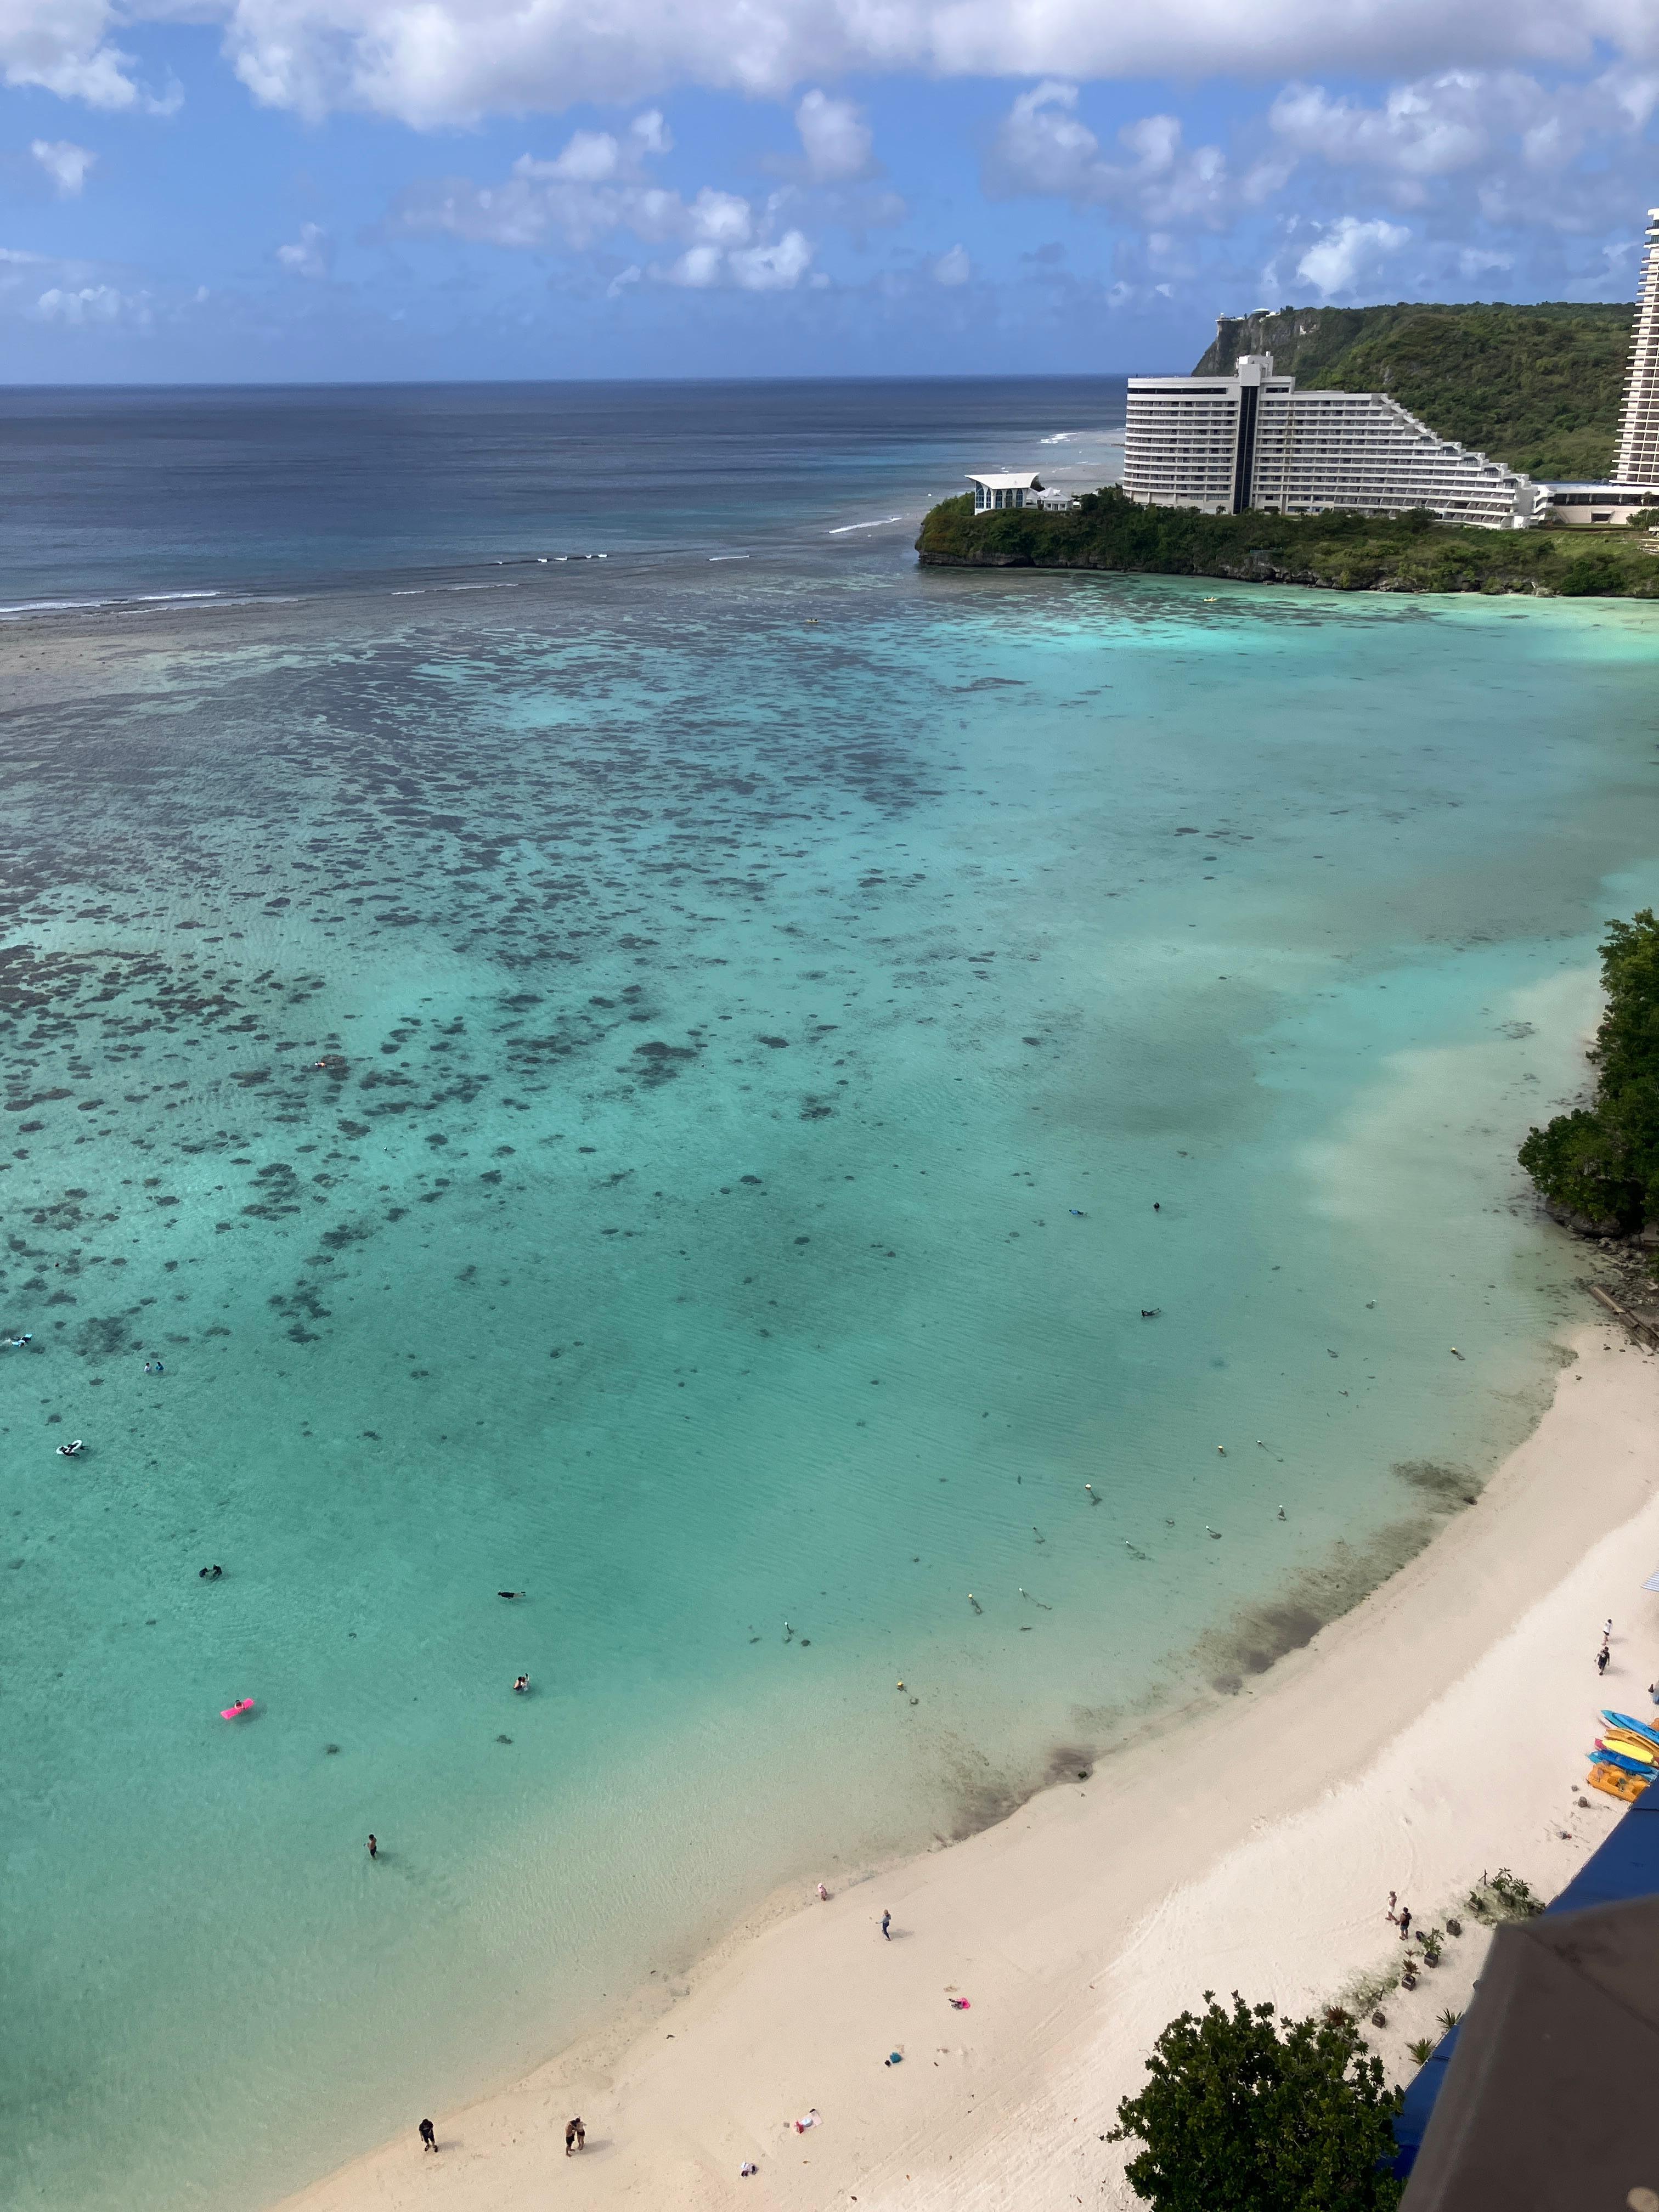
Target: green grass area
column 1538, row 387
column 1349, row 553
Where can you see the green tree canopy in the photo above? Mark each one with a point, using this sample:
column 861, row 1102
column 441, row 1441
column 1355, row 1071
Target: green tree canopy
column 1601, row 1161
column 1245, row 2113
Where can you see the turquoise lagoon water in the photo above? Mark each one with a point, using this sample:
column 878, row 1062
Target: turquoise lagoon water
column 676, row 1102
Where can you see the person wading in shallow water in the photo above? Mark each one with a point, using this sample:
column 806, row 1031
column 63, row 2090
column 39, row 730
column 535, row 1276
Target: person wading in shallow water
column 575, row 2137
column 373, row 1847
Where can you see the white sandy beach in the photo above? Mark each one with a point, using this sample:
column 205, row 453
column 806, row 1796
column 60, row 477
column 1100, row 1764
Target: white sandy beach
column 1436, row 1731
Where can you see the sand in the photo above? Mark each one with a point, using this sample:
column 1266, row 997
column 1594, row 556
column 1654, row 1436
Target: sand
column 1437, row 1731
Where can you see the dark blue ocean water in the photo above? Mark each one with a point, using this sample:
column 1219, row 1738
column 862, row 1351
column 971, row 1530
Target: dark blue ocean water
column 124, row 493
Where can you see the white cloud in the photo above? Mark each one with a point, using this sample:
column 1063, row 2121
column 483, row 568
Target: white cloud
column 90, row 306
column 65, row 163
column 62, row 46
column 1348, row 251
column 312, row 254
column 776, row 268
column 438, row 63
column 1044, row 147
column 954, row 267
column 835, row 139
column 1502, row 145
column 598, row 185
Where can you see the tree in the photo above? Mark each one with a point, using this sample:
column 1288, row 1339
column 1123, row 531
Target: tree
column 1245, row 2114
column 1601, row 1162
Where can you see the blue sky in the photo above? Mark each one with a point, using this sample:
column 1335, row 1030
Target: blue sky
column 278, row 189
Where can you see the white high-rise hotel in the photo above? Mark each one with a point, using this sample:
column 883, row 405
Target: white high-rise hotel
column 1637, row 461
column 1223, row 444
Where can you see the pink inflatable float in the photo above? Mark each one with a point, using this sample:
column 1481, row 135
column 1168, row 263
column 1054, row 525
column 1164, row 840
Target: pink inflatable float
column 241, row 1705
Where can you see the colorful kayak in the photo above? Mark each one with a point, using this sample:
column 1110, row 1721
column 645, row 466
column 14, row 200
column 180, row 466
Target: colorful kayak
column 1631, row 1727
column 1624, row 1766
column 1632, row 1746
column 241, row 1705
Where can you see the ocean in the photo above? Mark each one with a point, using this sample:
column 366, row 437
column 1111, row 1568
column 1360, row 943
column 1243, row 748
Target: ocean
column 827, row 1123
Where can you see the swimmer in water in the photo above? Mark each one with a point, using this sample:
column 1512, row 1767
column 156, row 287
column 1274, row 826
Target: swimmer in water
column 71, row 1451
column 522, row 1684
column 209, row 1574
column 510, row 1593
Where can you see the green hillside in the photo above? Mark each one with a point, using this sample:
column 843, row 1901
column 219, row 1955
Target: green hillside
column 1538, row 387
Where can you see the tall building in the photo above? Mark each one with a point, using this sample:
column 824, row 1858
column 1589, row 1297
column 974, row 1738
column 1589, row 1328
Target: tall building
column 1637, row 460
column 1223, row 444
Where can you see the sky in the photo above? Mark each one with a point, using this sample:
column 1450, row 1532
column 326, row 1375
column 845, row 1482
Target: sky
column 270, row 191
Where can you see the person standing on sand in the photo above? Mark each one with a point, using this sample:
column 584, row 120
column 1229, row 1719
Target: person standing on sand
column 575, row 2137
column 887, row 1924
column 428, row 2136
column 1601, row 1659
column 1405, row 1922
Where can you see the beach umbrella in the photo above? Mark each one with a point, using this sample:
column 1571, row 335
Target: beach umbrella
column 1548, row 2097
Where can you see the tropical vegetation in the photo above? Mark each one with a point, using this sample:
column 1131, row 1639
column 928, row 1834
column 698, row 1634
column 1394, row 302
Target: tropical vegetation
column 1538, row 387
column 1243, row 2113
column 1600, row 1163
column 1400, row 553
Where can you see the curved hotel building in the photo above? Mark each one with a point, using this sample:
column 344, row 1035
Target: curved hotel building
column 1225, row 443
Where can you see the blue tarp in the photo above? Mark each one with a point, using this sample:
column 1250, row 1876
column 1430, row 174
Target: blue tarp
column 1627, row 1865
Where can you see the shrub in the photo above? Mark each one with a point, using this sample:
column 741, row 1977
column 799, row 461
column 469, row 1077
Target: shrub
column 1245, row 2113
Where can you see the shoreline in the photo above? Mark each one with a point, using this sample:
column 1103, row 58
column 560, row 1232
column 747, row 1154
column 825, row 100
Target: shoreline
column 1435, row 1730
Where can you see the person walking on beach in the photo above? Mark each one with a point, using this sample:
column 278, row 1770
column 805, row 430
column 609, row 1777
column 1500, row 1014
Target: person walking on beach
column 575, row 2137
column 1601, row 1659
column 1405, row 1922
column 887, row 1924
column 1391, row 1914
column 428, row 2136
column 373, row 1847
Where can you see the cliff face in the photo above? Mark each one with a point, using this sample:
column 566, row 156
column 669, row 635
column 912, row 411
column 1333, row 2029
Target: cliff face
column 1537, row 388
column 1302, row 340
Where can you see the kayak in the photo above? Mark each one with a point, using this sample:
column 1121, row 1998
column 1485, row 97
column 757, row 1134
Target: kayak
column 241, row 1705
column 1624, row 1766
column 1631, row 1727
column 1632, row 1746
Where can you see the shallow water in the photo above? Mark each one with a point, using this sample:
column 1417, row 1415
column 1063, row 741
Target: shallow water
column 676, row 1102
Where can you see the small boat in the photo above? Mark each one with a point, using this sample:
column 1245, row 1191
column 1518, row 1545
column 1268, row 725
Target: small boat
column 1627, row 1788
column 1631, row 1766
column 1629, row 1727
column 241, row 1705
column 1632, row 1746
